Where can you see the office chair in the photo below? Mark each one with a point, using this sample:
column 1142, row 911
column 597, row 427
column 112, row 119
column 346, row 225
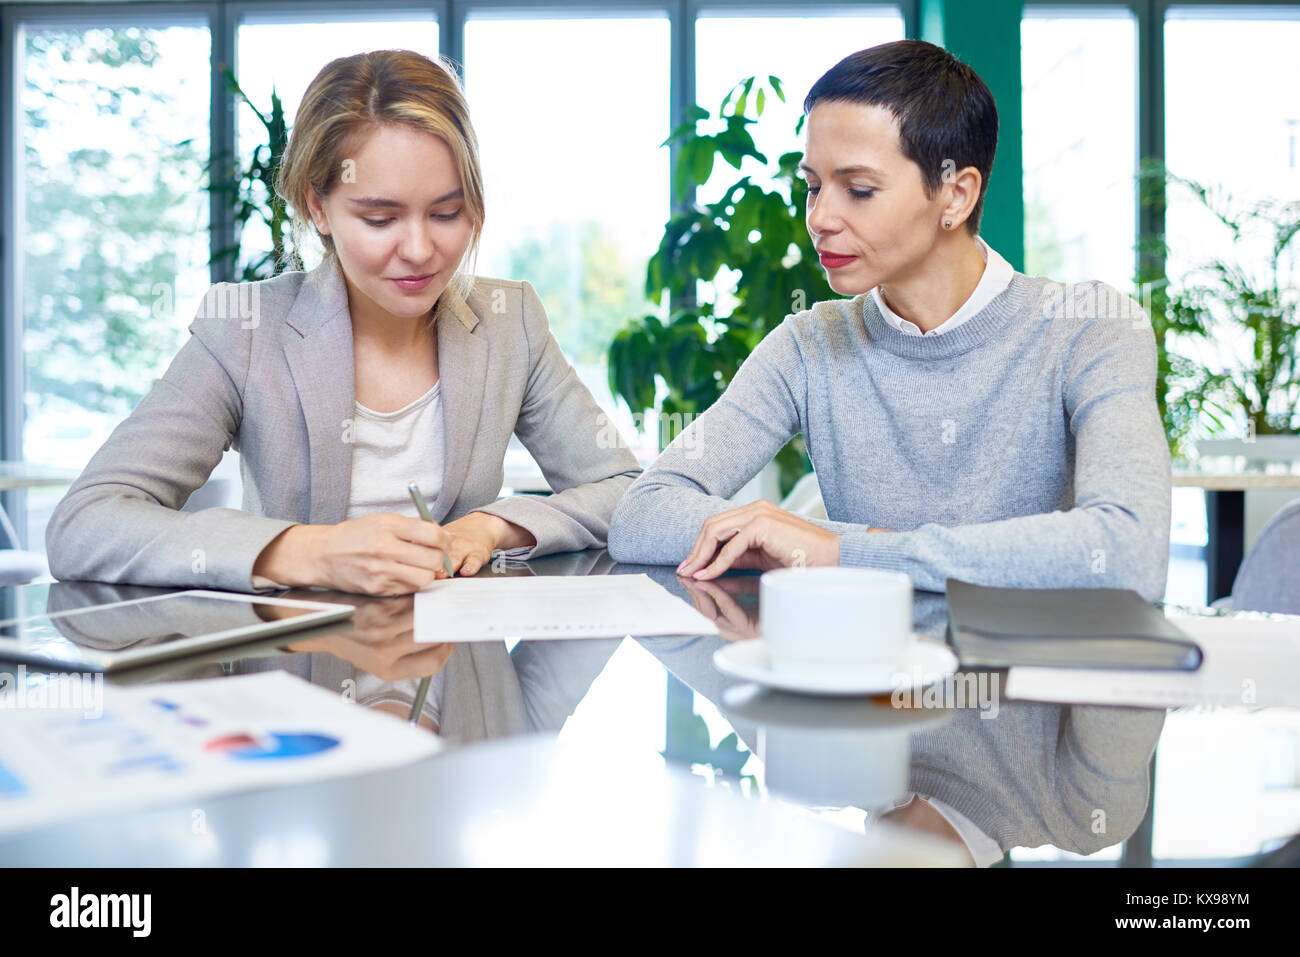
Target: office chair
column 16, row 565
column 1269, row 577
column 1288, row 855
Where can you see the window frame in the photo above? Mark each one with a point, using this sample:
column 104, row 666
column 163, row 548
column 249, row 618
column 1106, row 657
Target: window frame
column 224, row 17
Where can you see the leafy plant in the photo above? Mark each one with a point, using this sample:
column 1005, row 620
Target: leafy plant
column 750, row 254
column 252, row 192
column 688, row 735
column 1243, row 306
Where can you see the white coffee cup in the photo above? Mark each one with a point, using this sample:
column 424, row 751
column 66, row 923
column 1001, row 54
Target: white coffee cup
column 814, row 619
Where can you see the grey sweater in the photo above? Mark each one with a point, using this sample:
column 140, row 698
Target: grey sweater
column 1022, row 449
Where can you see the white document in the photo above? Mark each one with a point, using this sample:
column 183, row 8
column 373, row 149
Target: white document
column 1248, row 662
column 552, row 606
column 125, row 748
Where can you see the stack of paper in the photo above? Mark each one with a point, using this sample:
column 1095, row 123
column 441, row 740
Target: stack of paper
column 1250, row 661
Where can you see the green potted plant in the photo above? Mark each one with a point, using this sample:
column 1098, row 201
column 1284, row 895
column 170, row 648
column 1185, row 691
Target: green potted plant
column 251, row 192
column 749, row 251
column 1228, row 330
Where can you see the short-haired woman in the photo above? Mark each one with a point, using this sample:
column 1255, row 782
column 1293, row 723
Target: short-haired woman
column 964, row 420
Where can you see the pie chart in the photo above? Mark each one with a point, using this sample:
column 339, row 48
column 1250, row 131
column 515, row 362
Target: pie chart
column 273, row 746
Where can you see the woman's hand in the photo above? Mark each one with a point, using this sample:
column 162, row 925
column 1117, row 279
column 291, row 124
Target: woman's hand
column 382, row 642
column 380, row 554
column 759, row 535
column 717, row 601
column 474, row 537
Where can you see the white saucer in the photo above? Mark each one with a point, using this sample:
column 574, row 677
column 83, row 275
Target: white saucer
column 786, row 711
column 921, row 657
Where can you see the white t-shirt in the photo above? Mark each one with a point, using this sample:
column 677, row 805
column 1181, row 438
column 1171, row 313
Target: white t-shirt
column 392, row 449
column 372, row 690
column 995, row 279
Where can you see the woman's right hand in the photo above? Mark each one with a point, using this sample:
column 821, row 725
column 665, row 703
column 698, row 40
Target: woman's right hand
column 717, row 601
column 379, row 554
column 381, row 641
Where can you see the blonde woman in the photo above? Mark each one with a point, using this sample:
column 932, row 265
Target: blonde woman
column 387, row 364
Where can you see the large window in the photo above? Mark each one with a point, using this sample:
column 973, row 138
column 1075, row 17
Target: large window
column 1233, row 127
column 571, row 103
column 797, row 50
column 113, row 130
column 731, row 47
column 1233, row 131
column 1079, row 74
column 111, row 127
column 282, row 55
column 570, row 114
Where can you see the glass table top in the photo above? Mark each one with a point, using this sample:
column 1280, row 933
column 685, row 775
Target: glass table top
column 1002, row 781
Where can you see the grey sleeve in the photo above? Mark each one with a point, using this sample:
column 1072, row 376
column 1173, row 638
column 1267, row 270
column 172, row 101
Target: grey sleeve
column 1117, row 533
column 585, row 460
column 1103, row 780
column 121, row 520
column 713, row 458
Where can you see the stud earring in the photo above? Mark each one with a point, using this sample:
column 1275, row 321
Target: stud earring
column 947, row 224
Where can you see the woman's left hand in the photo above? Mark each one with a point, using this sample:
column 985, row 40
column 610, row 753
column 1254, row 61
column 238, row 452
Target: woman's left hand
column 475, row 536
column 759, row 535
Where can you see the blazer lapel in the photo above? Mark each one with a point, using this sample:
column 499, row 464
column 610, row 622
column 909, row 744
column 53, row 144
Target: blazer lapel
column 321, row 362
column 462, row 368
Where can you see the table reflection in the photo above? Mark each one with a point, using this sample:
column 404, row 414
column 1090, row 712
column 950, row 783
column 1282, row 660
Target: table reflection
column 984, row 772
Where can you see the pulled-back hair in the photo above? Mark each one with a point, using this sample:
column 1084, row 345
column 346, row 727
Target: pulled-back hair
column 353, row 95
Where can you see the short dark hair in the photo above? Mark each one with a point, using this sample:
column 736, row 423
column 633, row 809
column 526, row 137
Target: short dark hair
column 944, row 110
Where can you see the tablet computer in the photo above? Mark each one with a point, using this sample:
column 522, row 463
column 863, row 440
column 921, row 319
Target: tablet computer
column 124, row 634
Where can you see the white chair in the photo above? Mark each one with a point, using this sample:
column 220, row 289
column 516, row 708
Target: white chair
column 223, row 489
column 1269, row 577
column 16, row 565
column 805, row 499
column 214, row 493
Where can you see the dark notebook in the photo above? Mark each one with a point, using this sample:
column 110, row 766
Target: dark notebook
column 1063, row 627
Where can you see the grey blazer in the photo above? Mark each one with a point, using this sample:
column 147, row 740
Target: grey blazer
column 268, row 371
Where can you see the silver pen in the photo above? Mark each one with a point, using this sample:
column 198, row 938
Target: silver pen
column 421, row 695
column 423, row 509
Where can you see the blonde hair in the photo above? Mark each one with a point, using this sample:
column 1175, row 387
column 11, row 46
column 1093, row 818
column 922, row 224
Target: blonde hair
column 352, row 95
